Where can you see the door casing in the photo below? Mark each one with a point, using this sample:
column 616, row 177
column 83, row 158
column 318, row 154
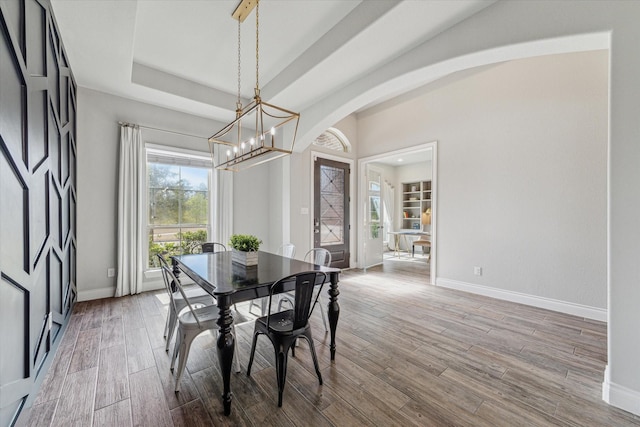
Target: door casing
column 362, row 192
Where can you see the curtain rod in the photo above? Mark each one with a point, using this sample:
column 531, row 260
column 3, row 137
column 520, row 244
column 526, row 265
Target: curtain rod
column 161, row 130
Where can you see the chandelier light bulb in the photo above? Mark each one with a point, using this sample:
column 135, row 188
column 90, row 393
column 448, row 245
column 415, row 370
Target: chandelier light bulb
column 242, row 145
column 235, row 149
column 252, row 141
column 273, row 131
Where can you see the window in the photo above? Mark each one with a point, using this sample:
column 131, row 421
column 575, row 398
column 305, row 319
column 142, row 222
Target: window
column 333, row 139
column 178, row 203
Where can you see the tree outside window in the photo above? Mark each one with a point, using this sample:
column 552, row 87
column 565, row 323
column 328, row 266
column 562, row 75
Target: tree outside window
column 178, row 209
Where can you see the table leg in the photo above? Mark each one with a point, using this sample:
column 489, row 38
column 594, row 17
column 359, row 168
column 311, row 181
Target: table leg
column 226, row 347
column 176, row 272
column 333, row 311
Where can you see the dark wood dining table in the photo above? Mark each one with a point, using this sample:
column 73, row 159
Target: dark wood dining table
column 230, row 283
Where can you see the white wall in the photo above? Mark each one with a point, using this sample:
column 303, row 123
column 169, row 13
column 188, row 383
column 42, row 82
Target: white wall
column 252, row 204
column 522, row 174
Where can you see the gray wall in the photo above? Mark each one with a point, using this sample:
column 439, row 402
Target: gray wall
column 99, row 134
column 300, row 184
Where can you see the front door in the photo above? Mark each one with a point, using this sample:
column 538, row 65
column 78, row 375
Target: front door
column 331, row 210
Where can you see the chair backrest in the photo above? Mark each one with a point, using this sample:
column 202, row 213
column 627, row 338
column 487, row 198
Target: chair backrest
column 318, row 256
column 171, row 278
column 287, row 250
column 213, row 247
column 163, row 263
column 303, row 295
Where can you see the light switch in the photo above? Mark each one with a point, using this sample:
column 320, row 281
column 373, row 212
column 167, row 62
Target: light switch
column 304, row 211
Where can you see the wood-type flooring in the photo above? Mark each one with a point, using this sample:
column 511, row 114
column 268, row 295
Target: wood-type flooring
column 408, row 354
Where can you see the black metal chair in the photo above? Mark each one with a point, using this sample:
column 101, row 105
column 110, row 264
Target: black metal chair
column 213, row 247
column 285, row 327
column 287, row 250
column 317, row 256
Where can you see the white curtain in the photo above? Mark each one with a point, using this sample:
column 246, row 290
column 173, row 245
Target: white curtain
column 388, row 200
column 130, row 211
column 223, row 206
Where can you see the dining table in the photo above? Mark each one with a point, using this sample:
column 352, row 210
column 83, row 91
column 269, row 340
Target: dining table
column 230, row 282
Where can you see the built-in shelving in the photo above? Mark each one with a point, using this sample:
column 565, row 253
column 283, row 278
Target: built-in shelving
column 416, row 199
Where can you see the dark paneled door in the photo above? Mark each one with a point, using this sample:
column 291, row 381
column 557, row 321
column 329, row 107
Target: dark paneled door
column 37, row 198
column 331, row 210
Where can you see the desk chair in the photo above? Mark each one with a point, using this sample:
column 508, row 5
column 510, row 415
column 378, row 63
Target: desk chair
column 318, row 256
column 420, row 242
column 285, row 327
column 190, row 324
column 287, row 250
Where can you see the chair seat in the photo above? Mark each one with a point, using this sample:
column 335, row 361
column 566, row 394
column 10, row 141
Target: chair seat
column 280, row 322
column 419, row 242
column 208, row 316
column 422, row 242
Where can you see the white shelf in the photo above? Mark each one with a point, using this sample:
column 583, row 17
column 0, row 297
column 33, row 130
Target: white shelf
column 416, row 199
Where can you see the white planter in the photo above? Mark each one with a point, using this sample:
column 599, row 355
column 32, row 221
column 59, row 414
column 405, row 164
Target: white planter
column 244, row 258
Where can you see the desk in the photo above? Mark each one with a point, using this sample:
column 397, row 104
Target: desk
column 230, row 283
column 404, row 234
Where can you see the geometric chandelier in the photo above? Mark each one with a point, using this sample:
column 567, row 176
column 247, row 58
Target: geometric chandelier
column 261, row 131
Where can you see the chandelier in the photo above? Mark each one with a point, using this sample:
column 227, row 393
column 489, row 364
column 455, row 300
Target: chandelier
column 261, row 131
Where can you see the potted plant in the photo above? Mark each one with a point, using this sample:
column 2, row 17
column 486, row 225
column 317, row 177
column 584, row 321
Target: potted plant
column 245, row 249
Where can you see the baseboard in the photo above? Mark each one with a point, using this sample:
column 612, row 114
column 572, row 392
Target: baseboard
column 532, row 300
column 96, row 293
column 109, row 292
column 620, row 396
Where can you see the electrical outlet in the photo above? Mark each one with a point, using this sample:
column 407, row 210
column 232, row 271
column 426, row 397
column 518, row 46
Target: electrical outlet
column 477, row 271
column 111, row 272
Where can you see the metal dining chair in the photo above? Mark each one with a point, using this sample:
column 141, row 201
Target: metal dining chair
column 287, row 250
column 318, row 256
column 284, row 327
column 197, row 296
column 213, row 247
column 191, row 324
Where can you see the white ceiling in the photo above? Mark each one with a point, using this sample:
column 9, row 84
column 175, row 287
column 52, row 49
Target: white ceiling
column 182, row 54
column 406, row 158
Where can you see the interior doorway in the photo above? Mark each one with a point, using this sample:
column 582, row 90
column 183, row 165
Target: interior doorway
column 400, row 171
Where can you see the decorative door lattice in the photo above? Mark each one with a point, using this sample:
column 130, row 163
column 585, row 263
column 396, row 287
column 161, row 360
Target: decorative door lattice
column 331, row 210
column 331, row 205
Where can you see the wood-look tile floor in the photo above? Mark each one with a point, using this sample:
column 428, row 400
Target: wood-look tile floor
column 407, row 354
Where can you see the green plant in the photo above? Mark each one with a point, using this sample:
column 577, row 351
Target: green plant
column 244, row 242
column 191, row 240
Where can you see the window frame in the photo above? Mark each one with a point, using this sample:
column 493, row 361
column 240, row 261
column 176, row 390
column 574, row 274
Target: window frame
column 173, row 152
